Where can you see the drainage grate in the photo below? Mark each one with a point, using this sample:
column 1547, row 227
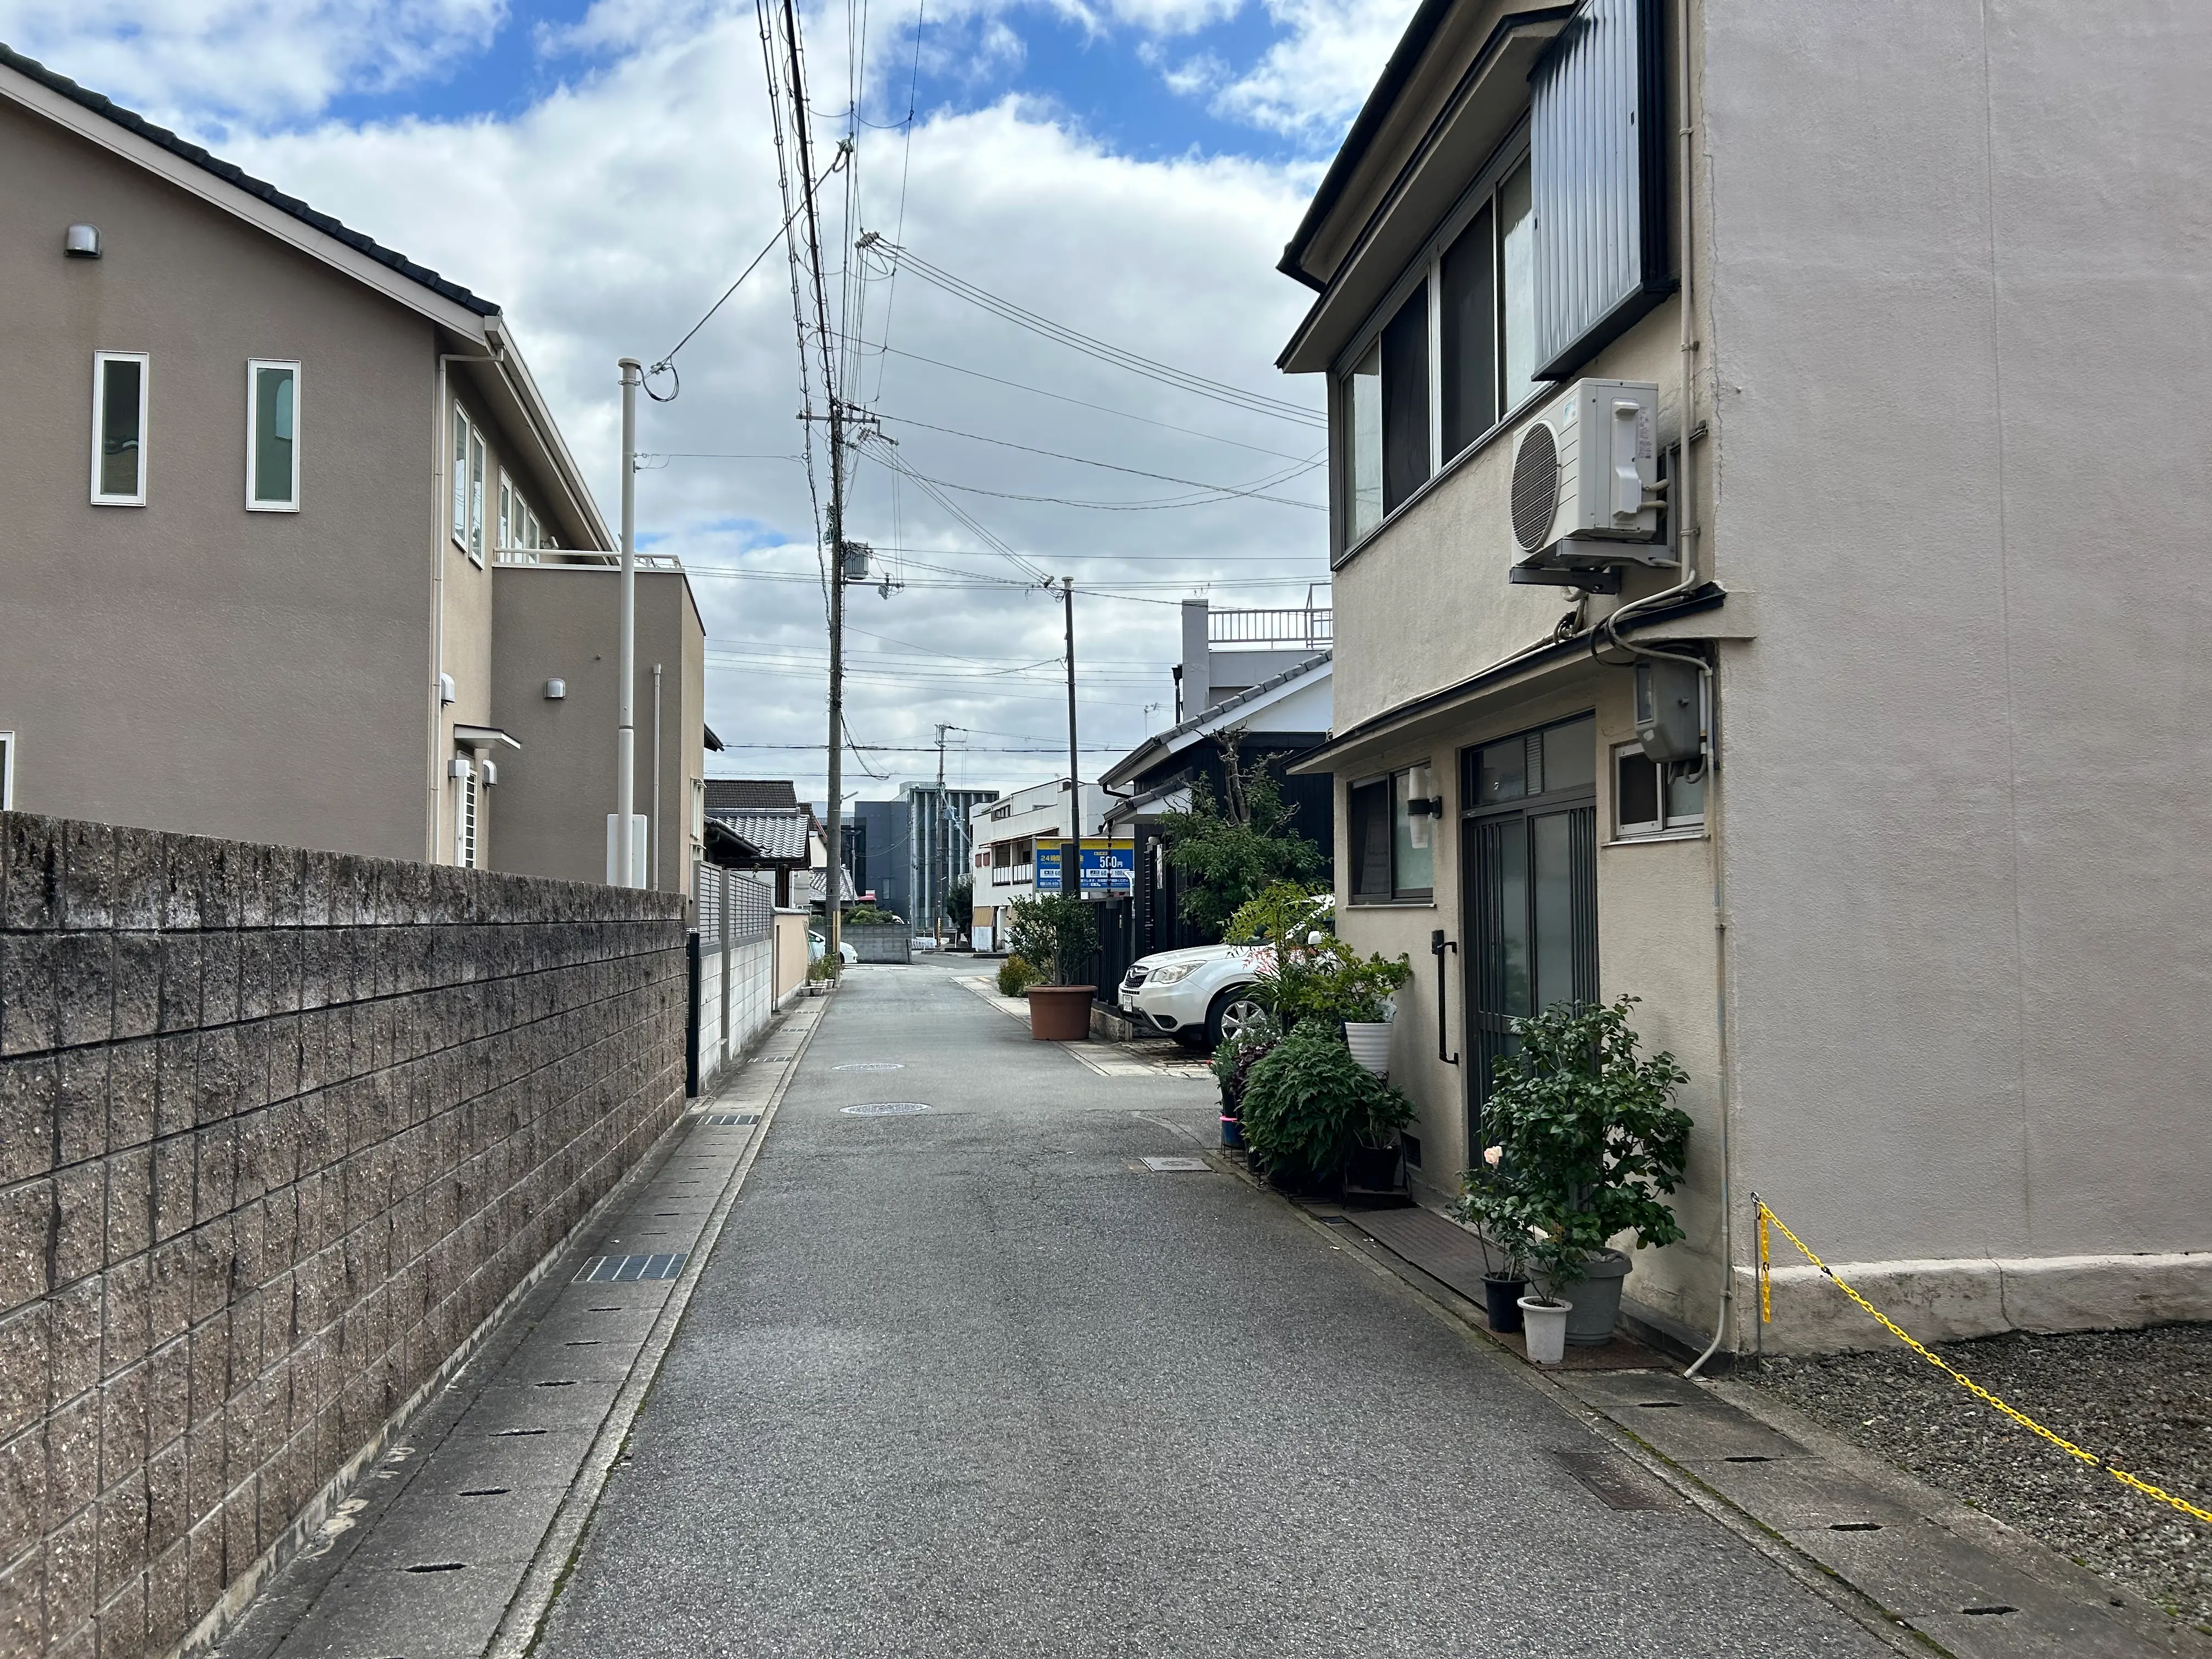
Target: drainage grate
column 730, row 1120
column 628, row 1269
column 1854, row 1526
column 1605, row 1475
column 486, row 1492
column 1996, row 1611
column 438, row 1566
column 870, row 1066
column 885, row 1109
column 1175, row 1165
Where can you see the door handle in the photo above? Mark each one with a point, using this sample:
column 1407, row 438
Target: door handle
column 1438, row 944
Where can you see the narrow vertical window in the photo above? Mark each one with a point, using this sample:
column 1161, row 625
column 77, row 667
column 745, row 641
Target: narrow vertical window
column 1364, row 395
column 1406, row 400
column 476, row 542
column 506, row 515
column 1468, row 323
column 118, row 429
column 461, row 436
column 464, row 819
column 272, row 437
column 1516, row 286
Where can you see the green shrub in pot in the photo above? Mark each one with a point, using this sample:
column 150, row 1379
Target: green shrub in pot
column 1055, row 934
column 1308, row 1104
column 1585, row 1141
column 1015, row 977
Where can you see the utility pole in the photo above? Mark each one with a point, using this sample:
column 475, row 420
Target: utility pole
column 833, row 882
column 1070, row 859
column 944, row 843
column 626, row 728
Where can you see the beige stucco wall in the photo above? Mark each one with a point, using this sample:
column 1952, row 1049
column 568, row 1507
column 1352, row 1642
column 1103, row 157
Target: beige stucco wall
column 189, row 664
column 1959, row 298
column 563, row 622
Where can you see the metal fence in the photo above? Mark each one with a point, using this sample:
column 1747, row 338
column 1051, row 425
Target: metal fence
column 732, row 969
column 1297, row 626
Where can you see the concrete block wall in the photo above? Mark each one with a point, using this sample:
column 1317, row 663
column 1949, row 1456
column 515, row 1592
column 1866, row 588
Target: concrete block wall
column 278, row 1130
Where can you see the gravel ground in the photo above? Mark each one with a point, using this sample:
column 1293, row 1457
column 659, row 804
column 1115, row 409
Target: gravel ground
column 2142, row 1398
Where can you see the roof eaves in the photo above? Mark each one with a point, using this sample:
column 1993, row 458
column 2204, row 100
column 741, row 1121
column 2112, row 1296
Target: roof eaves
column 231, row 174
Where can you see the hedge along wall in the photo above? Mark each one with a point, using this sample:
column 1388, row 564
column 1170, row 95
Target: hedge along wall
column 279, row 1130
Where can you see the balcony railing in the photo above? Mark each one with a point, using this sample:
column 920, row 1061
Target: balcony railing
column 570, row 556
column 1284, row 627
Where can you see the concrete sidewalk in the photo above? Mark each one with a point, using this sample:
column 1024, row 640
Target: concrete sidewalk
column 456, row 1535
column 973, row 1379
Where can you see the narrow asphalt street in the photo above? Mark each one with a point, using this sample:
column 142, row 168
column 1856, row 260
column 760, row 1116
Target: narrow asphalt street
column 973, row 1380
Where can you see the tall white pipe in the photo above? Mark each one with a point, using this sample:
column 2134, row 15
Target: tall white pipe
column 626, row 730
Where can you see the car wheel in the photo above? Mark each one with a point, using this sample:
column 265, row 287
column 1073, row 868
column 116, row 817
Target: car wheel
column 1235, row 1011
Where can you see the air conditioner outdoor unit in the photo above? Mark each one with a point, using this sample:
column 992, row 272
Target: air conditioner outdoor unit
column 1585, row 490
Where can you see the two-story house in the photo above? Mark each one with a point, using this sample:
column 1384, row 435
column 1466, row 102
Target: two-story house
column 296, row 551
column 1867, row 744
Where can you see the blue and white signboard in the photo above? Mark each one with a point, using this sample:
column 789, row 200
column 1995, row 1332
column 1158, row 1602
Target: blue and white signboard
column 1108, row 868
column 1047, row 866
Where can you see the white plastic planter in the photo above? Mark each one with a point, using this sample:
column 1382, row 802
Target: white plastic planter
column 1545, row 1326
column 1370, row 1045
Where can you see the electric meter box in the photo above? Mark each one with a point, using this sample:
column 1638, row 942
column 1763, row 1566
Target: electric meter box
column 1669, row 709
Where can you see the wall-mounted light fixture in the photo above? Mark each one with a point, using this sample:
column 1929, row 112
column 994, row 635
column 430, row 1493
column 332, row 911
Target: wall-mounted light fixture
column 82, row 242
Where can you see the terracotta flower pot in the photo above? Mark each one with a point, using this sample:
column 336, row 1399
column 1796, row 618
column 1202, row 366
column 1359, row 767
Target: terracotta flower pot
column 1059, row 1013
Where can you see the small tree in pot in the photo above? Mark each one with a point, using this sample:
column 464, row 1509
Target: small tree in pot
column 1587, row 1144
column 1057, row 933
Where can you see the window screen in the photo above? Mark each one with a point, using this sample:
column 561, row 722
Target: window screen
column 1468, row 322
column 118, row 429
column 1406, row 400
column 1371, row 840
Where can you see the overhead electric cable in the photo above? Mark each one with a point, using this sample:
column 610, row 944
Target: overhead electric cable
column 1060, row 333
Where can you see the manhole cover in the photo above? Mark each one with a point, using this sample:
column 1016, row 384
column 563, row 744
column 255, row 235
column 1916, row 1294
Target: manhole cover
column 1605, row 1475
column 1176, row 1165
column 885, row 1109
column 870, row 1066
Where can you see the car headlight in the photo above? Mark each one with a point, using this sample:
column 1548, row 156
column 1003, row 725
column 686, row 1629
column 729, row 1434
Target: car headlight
column 1169, row 975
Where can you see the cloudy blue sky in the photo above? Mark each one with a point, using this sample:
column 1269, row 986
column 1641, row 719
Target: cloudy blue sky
column 1128, row 168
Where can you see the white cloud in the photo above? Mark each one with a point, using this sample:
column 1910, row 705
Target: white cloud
column 607, row 216
column 1312, row 81
column 249, row 61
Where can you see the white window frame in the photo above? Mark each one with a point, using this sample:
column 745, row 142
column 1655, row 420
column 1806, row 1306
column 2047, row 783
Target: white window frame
column 465, row 816
column 1669, row 822
column 507, row 505
column 462, row 430
column 7, row 771
column 1424, row 272
column 99, row 363
column 253, row 367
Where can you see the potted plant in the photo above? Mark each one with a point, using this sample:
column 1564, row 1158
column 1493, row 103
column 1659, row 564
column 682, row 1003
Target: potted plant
column 1309, row 1109
column 1057, row 934
column 1232, row 1068
column 1308, row 973
column 1483, row 1201
column 1587, row 1144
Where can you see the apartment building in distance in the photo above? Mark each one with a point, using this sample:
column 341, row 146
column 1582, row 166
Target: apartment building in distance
column 296, row 551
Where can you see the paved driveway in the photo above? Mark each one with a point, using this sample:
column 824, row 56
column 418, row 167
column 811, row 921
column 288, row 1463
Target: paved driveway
column 973, row 1381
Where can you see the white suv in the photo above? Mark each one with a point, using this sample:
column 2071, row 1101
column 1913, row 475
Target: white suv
column 1198, row 995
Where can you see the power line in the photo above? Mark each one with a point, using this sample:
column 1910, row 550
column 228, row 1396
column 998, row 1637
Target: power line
column 1305, row 464
column 1060, row 333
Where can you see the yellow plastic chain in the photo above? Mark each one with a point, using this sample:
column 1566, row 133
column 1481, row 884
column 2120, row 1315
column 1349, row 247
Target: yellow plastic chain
column 1959, row 1377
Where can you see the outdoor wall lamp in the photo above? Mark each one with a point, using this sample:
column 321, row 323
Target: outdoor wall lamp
column 1431, row 806
column 81, row 242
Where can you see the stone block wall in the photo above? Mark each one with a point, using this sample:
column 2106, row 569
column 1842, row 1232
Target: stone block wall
column 278, row 1130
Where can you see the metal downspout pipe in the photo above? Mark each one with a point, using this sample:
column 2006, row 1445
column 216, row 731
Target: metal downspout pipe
column 1688, row 538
